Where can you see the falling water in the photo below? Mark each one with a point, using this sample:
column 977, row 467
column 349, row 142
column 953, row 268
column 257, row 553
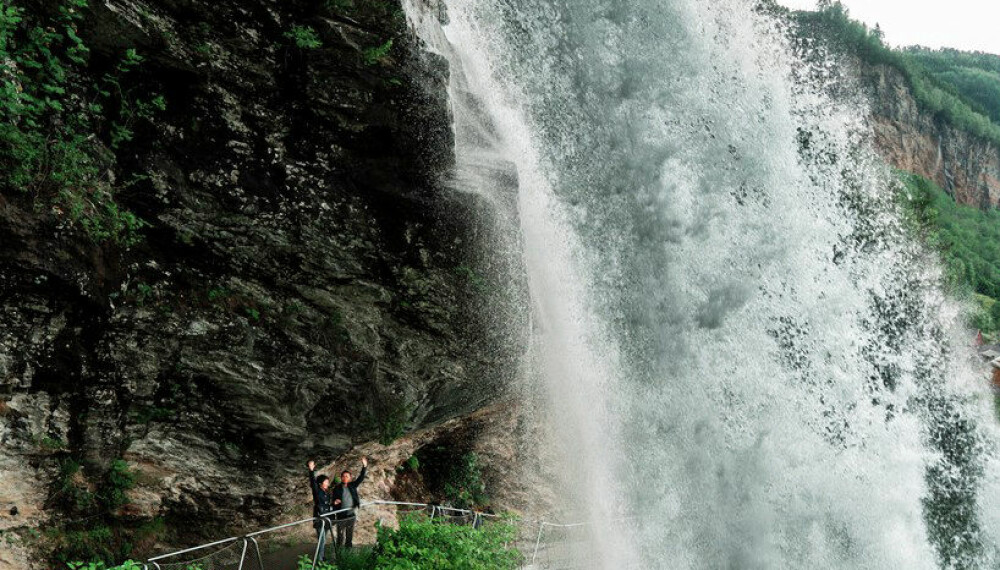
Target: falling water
column 742, row 345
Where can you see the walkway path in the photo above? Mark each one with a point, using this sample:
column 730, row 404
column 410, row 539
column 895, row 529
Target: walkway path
column 545, row 545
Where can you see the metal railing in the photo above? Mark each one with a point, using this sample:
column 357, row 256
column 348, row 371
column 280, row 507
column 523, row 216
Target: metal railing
column 207, row 556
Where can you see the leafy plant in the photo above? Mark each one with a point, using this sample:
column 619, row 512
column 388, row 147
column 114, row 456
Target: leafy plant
column 95, row 532
column 52, row 120
column 118, row 481
column 304, row 37
column 218, row 294
column 377, row 54
column 388, row 419
column 967, row 238
column 148, row 414
column 464, row 486
column 420, row 544
column 128, row 565
column 143, row 292
column 51, row 444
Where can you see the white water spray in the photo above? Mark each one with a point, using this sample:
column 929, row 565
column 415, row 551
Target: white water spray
column 740, row 343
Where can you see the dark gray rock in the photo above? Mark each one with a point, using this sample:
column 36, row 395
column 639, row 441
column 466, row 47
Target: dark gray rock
column 307, row 282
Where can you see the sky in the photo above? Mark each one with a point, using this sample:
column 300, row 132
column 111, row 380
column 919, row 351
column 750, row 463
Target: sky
column 972, row 25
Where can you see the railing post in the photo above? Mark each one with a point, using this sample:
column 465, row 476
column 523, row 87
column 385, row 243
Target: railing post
column 322, row 542
column 256, row 548
column 243, row 555
column 433, row 511
column 538, row 541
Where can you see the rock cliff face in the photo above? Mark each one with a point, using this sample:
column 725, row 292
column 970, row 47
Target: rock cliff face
column 913, row 140
column 308, row 281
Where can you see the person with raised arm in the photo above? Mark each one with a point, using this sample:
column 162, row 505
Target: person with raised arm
column 345, row 499
column 321, row 505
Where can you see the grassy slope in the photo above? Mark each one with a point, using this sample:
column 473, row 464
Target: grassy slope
column 968, row 240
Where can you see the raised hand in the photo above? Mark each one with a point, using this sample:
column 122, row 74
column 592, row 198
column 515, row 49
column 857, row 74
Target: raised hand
column 311, row 465
column 364, row 461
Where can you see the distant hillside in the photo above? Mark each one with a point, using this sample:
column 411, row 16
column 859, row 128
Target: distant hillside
column 974, row 76
column 961, row 88
column 935, row 116
column 935, row 113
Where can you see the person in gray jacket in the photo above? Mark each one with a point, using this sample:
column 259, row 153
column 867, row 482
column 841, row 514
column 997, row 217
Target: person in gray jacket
column 345, row 496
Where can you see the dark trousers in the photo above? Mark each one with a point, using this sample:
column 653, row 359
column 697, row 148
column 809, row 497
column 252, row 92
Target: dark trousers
column 345, row 532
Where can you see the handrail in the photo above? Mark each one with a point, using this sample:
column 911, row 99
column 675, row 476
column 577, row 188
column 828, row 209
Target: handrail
column 193, row 549
column 279, row 527
column 325, row 519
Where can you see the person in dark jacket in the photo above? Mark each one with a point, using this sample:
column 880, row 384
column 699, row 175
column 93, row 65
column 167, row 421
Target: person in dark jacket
column 345, row 496
column 322, row 505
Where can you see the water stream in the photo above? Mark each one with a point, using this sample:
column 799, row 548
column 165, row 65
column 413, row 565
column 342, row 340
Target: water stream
column 741, row 343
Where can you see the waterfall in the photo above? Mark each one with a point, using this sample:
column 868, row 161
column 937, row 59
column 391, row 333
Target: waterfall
column 741, row 343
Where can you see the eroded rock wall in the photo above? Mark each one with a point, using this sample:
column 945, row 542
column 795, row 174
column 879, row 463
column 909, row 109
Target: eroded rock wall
column 308, row 281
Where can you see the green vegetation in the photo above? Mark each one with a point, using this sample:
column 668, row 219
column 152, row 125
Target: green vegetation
column 150, row 414
column 474, row 279
column 48, row 443
column 412, row 464
column 59, row 131
column 93, row 531
column 128, row 565
column 377, row 54
column 304, row 37
column 218, row 294
column 968, row 240
column 419, row 544
column 388, row 419
column 118, row 480
column 464, row 485
column 957, row 90
column 143, row 292
column 976, row 76
column 358, row 558
column 423, row 544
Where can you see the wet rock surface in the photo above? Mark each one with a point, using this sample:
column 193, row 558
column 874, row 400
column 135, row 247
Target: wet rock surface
column 308, row 281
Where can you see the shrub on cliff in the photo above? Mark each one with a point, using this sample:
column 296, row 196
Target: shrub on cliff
column 61, row 121
column 966, row 238
column 421, row 544
column 424, row 544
